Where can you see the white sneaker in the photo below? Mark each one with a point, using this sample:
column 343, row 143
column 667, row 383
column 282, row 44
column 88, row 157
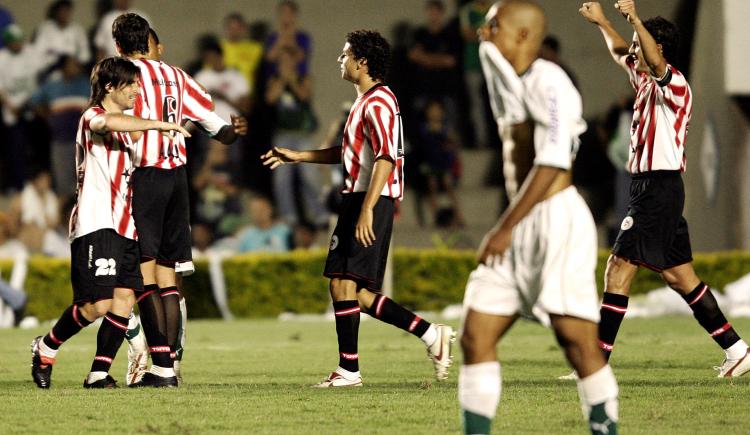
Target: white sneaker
column 440, row 351
column 572, row 376
column 335, row 380
column 137, row 358
column 733, row 368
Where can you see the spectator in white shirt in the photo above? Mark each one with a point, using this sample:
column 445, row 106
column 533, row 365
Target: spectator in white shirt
column 57, row 36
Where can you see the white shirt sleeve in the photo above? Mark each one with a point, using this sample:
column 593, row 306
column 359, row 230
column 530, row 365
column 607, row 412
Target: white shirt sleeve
column 503, row 84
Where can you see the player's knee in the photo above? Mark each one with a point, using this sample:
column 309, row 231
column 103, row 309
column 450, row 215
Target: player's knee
column 475, row 347
column 615, row 276
column 95, row 311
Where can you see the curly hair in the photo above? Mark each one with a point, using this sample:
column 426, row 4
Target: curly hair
column 131, row 33
column 666, row 34
column 370, row 45
column 114, row 71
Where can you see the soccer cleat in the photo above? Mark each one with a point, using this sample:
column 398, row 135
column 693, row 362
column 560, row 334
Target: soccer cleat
column 108, row 382
column 151, row 380
column 335, row 380
column 733, row 368
column 572, row 376
column 41, row 367
column 440, row 351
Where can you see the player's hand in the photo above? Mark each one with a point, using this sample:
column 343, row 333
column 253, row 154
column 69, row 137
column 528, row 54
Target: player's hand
column 494, row 244
column 593, row 12
column 363, row 231
column 279, row 156
column 627, row 9
column 239, row 123
column 168, row 127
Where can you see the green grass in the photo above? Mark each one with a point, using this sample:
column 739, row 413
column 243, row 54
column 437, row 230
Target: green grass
column 255, row 377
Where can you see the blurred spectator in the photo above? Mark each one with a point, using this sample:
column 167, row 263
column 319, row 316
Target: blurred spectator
column 620, row 117
column 58, row 37
column 435, row 56
column 227, row 85
column 12, row 296
column 203, row 237
column 20, row 64
column 37, row 209
column 304, row 236
column 288, row 37
column 6, row 19
column 551, row 51
column 264, row 233
column 290, row 94
column 240, row 52
column 103, row 40
column 61, row 102
column 56, row 242
column 218, row 206
column 471, row 17
column 438, row 162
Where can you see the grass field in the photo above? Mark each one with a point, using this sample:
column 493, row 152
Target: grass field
column 255, row 377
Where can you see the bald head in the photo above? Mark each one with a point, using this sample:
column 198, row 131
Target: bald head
column 516, row 27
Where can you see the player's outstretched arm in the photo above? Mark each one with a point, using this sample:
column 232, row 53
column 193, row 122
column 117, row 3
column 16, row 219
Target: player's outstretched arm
column 230, row 133
column 536, row 185
column 108, row 122
column 618, row 47
column 649, row 47
column 282, row 156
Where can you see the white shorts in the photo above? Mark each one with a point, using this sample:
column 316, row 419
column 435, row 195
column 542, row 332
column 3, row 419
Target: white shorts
column 548, row 269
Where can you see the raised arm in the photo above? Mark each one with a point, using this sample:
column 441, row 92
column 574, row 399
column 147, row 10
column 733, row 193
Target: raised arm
column 108, row 122
column 618, row 47
column 649, row 47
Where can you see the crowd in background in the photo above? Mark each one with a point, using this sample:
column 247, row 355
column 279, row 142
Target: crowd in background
column 262, row 71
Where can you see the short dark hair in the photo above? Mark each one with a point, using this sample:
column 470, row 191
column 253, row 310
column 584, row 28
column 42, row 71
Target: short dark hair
column 289, row 4
column 114, row 71
column 437, row 4
column 55, row 7
column 131, row 33
column 666, row 34
column 370, row 45
column 153, row 34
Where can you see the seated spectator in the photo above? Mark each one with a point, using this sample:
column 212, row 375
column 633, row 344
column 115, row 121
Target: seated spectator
column 304, row 236
column 439, row 163
column 58, row 36
column 264, row 233
column 218, row 206
column 37, row 210
column 61, row 103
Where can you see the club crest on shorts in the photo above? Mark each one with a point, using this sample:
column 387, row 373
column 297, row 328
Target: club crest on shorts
column 334, row 242
column 627, row 223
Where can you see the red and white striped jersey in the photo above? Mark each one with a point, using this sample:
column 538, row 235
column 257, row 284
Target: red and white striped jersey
column 169, row 94
column 103, row 194
column 662, row 111
column 373, row 131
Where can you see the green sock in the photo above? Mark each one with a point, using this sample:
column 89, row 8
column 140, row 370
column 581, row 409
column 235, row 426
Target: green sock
column 600, row 423
column 475, row 423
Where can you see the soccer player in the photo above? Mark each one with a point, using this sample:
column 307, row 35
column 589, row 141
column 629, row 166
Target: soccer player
column 104, row 252
column 372, row 162
column 654, row 233
column 160, row 190
column 539, row 259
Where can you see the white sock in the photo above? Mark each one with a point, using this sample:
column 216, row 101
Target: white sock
column 479, row 388
column 132, row 321
column 347, row 374
column 47, row 351
column 164, row 372
column 599, row 387
column 737, row 350
column 430, row 335
column 95, row 376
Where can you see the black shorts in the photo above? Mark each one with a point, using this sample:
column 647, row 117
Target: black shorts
column 161, row 210
column 102, row 261
column 347, row 258
column 654, row 233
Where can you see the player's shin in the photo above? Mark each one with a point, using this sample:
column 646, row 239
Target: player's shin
column 108, row 341
column 479, row 389
column 154, row 325
column 388, row 311
column 70, row 323
column 598, row 393
column 707, row 312
column 347, row 331
column 612, row 312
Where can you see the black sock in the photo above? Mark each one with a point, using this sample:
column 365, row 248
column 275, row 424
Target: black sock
column 385, row 309
column 154, row 325
column 347, row 330
column 612, row 312
column 70, row 323
column 170, row 299
column 108, row 341
column 706, row 310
